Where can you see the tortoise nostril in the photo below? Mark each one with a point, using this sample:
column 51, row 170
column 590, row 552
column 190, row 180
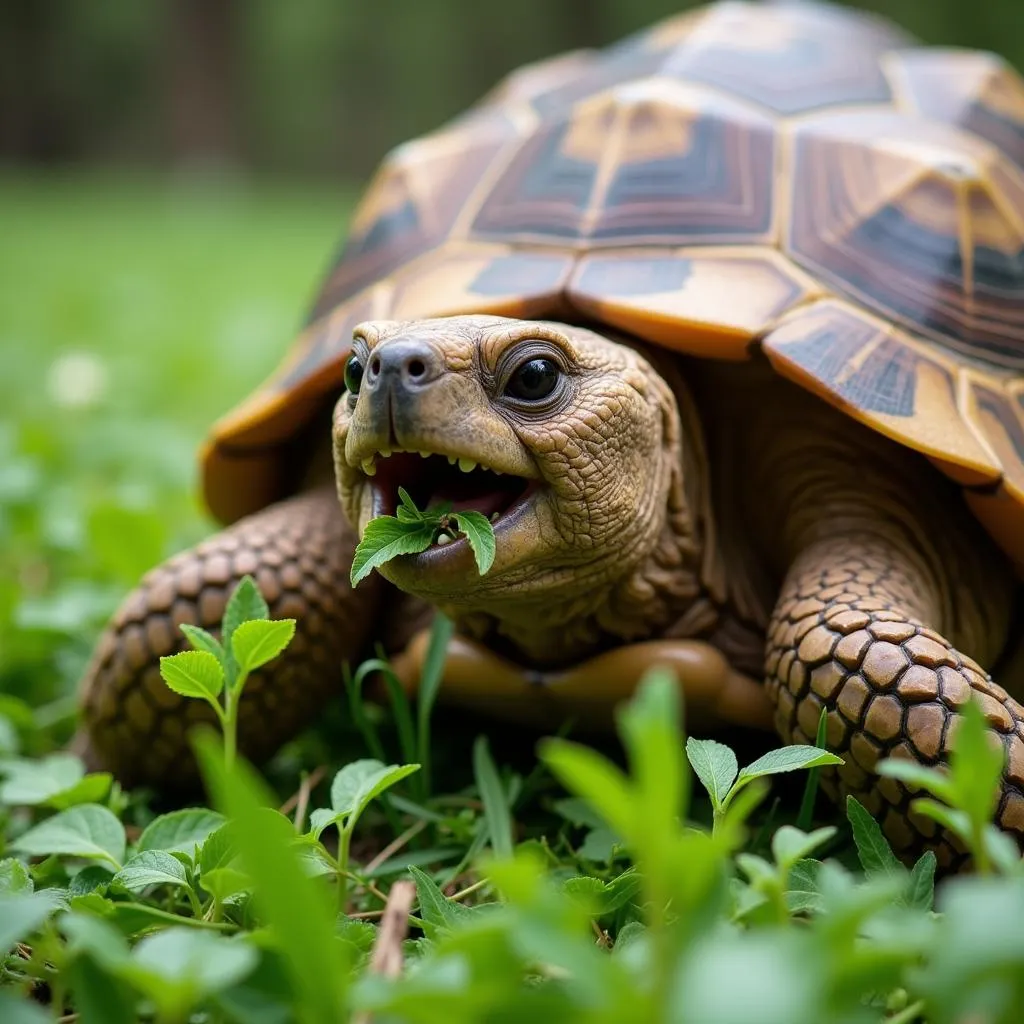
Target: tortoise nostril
column 375, row 364
column 416, row 368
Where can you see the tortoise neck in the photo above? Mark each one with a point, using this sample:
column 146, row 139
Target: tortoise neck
column 675, row 585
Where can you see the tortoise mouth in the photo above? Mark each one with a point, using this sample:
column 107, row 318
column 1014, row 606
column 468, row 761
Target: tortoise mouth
column 440, row 479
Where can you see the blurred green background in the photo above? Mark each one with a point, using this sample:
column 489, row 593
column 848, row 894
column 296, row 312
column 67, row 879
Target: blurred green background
column 173, row 177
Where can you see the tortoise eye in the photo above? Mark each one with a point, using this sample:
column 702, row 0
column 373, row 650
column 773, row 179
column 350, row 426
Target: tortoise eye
column 353, row 375
column 534, row 380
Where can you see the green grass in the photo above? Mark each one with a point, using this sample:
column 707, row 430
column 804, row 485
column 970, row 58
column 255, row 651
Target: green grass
column 132, row 313
column 551, row 885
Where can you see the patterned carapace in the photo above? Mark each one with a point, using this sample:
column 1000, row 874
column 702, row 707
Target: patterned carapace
column 796, row 177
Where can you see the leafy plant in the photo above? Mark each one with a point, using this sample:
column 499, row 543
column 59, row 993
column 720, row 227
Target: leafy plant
column 215, row 670
column 411, row 531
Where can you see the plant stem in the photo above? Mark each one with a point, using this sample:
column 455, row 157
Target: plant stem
column 981, row 862
column 229, row 719
column 197, row 907
column 344, row 839
column 907, row 1015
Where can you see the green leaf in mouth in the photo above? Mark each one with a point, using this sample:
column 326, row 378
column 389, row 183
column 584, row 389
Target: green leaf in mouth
column 412, row 530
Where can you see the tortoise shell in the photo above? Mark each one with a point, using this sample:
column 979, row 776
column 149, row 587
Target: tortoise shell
column 794, row 177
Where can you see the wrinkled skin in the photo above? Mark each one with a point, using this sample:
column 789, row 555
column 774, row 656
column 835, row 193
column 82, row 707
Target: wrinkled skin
column 603, row 452
column 780, row 559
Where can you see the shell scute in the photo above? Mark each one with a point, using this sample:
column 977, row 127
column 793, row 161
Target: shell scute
column 413, row 201
column 652, row 162
column 919, row 221
column 883, row 377
column 687, row 299
column 791, row 58
column 974, row 90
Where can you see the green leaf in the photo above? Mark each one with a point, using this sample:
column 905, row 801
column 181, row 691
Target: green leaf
column 90, row 790
column 787, row 759
column 265, row 997
column 151, row 867
column 436, row 910
column 599, row 845
column 578, row 812
column 18, row 1010
column 917, row 776
column 257, row 642
column 604, row 897
column 874, row 851
column 87, row 830
column 180, row 831
column 492, row 793
column 89, row 934
column 245, row 604
column 407, row 511
column 586, row 773
column 921, row 887
column 323, row 818
column 715, row 765
column 976, row 764
column 362, row 781
column 290, row 902
column 201, row 640
column 58, row 780
column 91, row 878
column 219, row 848
column 802, row 893
column 360, row 935
column 757, row 869
column 650, row 729
column 790, row 844
column 193, row 674
column 480, row 534
column 224, row 882
column 28, row 783
column 14, row 878
column 100, row 998
column 948, row 817
column 21, row 915
column 385, row 538
column 178, row 967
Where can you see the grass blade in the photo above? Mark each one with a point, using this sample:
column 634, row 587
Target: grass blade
column 496, row 808
column 430, row 683
column 806, row 815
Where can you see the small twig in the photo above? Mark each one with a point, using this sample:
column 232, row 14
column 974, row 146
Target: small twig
column 302, row 804
column 365, row 883
column 387, row 958
column 309, row 783
column 367, row 915
column 395, row 845
column 603, row 939
column 468, row 890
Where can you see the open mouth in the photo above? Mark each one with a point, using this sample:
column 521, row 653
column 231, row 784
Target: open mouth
column 435, row 479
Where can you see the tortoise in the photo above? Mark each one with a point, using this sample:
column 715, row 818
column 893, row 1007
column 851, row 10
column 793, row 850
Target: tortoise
column 723, row 327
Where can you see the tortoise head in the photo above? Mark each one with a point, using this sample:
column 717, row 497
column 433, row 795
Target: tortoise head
column 569, row 442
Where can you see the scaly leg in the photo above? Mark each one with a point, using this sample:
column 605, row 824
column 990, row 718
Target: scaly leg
column 851, row 634
column 299, row 552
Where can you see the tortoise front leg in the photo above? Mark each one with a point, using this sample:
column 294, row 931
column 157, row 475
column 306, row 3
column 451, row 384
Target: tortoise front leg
column 851, row 634
column 299, row 552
